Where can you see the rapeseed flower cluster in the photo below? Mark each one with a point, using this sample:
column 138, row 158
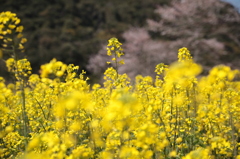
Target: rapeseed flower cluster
column 177, row 114
column 11, row 32
column 115, row 50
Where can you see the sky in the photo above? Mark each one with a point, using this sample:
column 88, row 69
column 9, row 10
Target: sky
column 235, row 3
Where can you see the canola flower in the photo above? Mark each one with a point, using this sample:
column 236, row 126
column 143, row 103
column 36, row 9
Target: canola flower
column 174, row 115
column 11, row 33
column 114, row 49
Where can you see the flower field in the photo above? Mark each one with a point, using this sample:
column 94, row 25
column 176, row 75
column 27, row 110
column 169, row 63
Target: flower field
column 58, row 115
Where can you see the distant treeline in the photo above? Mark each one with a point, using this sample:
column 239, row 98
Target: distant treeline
column 73, row 30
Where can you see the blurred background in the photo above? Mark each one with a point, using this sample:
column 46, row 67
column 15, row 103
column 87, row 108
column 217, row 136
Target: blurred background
column 235, row 3
column 152, row 31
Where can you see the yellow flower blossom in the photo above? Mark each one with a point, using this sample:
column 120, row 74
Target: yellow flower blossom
column 174, row 115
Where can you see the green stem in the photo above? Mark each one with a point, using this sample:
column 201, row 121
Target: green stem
column 115, row 56
column 22, row 82
column 175, row 128
column 24, row 115
column 44, row 115
column 195, row 100
column 233, row 135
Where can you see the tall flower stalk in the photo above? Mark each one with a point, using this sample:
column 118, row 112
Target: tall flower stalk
column 13, row 40
column 115, row 50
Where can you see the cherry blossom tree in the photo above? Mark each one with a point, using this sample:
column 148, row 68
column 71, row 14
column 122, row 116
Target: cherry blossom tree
column 208, row 28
